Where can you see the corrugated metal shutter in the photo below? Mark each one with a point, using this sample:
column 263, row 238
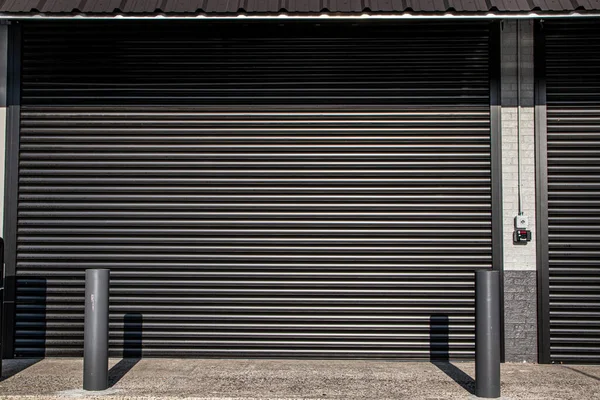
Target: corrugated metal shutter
column 573, row 115
column 256, row 190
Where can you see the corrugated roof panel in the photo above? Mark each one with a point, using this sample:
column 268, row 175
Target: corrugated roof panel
column 183, row 6
column 483, row 5
column 379, row 5
column 398, row 5
column 507, row 5
column 296, row 6
column 357, row 5
column 252, row 5
column 98, row 6
column 439, row 5
column 18, row 5
column 59, row 6
column 519, row 4
column 555, row 5
column 455, row 5
column 101, row 6
column 583, row 4
column 276, row 5
column 567, row 5
column 413, row 5
column 233, row 6
column 315, row 5
column 292, row 6
column 341, row 6
column 272, row 6
column 141, row 6
column 552, row 5
column 330, row 5
column 538, row 5
column 216, row 6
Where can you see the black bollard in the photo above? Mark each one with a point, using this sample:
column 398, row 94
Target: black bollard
column 95, row 346
column 487, row 334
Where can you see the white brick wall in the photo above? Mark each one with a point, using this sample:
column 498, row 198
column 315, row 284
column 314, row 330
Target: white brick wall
column 518, row 257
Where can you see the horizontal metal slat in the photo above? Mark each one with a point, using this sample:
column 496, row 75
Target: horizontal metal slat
column 573, row 123
column 261, row 193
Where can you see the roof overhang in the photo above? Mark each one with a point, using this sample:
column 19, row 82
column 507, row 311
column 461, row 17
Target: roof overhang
column 291, row 16
column 296, row 9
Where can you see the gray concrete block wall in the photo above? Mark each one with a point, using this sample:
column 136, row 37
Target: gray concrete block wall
column 520, row 283
column 520, row 313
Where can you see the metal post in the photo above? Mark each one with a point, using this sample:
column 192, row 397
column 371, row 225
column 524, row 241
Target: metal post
column 487, row 334
column 95, row 347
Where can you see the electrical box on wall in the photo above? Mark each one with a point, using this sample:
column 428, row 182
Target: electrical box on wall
column 521, row 236
column 521, row 222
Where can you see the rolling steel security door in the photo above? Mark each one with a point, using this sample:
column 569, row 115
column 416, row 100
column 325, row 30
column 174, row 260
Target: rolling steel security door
column 573, row 191
column 305, row 190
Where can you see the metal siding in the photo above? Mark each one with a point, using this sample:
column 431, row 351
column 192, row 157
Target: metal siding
column 262, row 190
column 573, row 151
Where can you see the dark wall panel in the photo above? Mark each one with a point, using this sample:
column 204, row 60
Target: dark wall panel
column 297, row 190
column 573, row 149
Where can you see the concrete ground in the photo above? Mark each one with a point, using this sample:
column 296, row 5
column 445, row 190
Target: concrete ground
column 291, row 379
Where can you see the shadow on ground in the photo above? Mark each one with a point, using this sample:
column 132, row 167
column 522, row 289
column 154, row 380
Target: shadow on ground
column 582, row 373
column 439, row 352
column 132, row 348
column 457, row 375
column 11, row 368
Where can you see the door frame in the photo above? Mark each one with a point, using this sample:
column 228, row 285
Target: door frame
column 12, row 173
column 541, row 173
column 13, row 122
column 495, row 77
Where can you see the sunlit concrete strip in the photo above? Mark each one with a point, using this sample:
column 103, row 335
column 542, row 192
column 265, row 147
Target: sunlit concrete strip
column 56, row 379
